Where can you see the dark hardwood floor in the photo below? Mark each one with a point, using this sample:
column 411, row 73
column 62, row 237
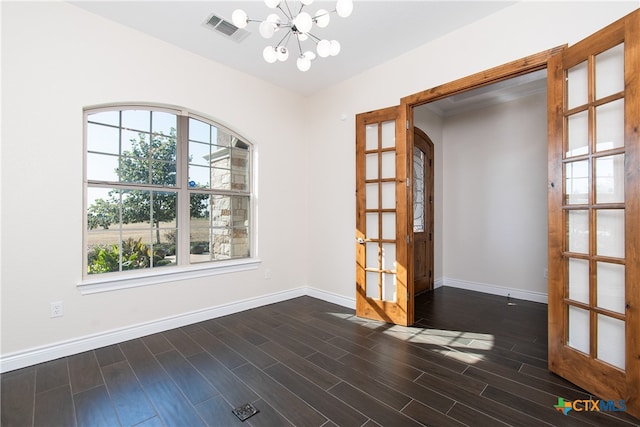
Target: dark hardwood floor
column 471, row 359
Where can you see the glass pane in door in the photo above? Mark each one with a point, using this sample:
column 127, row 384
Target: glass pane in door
column 610, row 232
column 610, row 128
column 578, row 134
column 610, row 283
column 577, row 182
column 577, row 80
column 578, row 329
column 579, row 280
column 610, row 179
column 578, row 231
column 610, row 71
column 418, row 190
column 611, row 341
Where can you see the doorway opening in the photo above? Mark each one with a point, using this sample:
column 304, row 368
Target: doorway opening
column 490, row 195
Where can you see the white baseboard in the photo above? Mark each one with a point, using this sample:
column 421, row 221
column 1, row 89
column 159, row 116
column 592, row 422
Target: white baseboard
column 331, row 297
column 33, row 356
column 496, row 290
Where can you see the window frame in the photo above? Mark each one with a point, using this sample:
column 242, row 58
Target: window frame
column 185, row 268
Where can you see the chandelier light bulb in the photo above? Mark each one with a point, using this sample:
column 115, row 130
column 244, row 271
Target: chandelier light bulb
column 302, row 37
column 344, row 8
column 303, row 22
column 309, row 55
column 322, row 18
column 282, row 53
column 272, row 4
column 269, row 54
column 324, row 48
column 306, row 2
column 335, row 47
column 239, row 18
column 267, row 29
column 303, row 64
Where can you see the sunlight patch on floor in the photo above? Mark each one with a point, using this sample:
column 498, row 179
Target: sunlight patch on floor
column 467, row 347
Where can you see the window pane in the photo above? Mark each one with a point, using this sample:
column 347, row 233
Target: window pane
column 164, row 123
column 103, row 139
column 199, row 177
column 139, row 120
column 102, row 167
column 136, row 208
column 103, row 254
column 199, row 131
column 199, row 153
column 240, row 169
column 106, row 117
column 163, row 173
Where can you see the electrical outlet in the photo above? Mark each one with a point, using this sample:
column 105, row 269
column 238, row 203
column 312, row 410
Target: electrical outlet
column 545, row 273
column 267, row 274
column 57, row 309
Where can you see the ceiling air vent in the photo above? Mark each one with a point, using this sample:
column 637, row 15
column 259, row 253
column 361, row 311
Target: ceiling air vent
column 226, row 28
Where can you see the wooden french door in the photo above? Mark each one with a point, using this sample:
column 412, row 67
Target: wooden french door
column 594, row 213
column 383, row 287
column 422, row 184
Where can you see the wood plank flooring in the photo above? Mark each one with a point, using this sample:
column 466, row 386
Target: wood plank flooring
column 471, row 359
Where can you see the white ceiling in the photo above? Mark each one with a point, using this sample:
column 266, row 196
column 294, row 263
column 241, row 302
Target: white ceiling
column 376, row 32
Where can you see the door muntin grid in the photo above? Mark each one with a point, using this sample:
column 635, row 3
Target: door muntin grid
column 594, row 209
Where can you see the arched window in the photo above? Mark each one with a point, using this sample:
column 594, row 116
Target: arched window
column 165, row 191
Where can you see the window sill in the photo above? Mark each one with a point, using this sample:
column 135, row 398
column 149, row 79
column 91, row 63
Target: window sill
column 95, row 285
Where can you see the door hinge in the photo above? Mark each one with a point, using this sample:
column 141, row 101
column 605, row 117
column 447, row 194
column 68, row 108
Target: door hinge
column 408, row 239
column 407, row 124
column 407, row 295
column 408, row 182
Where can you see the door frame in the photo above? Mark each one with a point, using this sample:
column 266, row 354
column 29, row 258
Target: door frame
column 526, row 65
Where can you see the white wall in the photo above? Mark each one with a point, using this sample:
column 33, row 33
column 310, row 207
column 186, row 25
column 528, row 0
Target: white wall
column 510, row 34
column 495, row 196
column 57, row 59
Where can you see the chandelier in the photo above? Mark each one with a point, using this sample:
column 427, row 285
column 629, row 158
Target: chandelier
column 296, row 24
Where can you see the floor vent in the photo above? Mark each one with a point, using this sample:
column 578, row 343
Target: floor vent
column 226, row 28
column 245, row 411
